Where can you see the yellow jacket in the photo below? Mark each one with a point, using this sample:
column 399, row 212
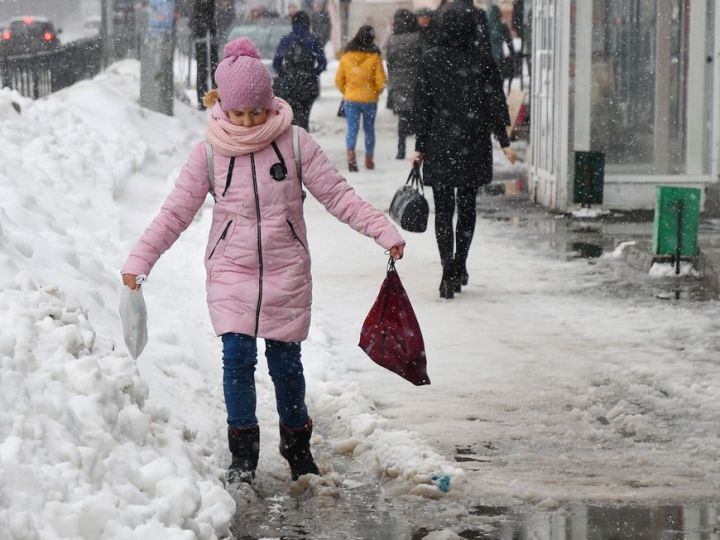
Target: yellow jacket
column 361, row 76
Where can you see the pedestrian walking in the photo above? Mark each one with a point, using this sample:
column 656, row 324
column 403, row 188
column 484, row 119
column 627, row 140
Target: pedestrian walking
column 403, row 55
column 298, row 62
column 424, row 18
column 458, row 104
column 204, row 29
column 361, row 78
column 499, row 37
column 320, row 23
column 257, row 258
column 224, row 18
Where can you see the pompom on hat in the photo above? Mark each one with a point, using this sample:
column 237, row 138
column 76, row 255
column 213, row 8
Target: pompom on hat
column 242, row 79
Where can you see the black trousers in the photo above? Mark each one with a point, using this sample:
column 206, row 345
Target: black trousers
column 404, row 128
column 454, row 244
column 301, row 111
column 201, row 57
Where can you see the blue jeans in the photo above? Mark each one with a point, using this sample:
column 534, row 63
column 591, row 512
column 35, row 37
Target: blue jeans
column 286, row 371
column 353, row 110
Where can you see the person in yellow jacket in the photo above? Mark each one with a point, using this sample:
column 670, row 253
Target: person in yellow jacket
column 361, row 79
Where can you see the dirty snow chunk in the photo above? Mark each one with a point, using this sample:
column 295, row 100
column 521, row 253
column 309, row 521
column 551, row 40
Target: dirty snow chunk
column 617, row 253
column 589, row 213
column 407, row 464
column 667, row 269
column 445, row 534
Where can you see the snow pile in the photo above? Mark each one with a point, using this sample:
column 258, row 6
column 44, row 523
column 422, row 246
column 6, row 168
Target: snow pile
column 83, row 455
column 402, row 460
column 668, row 269
column 83, row 452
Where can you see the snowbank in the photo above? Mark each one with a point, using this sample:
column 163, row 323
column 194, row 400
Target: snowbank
column 84, row 453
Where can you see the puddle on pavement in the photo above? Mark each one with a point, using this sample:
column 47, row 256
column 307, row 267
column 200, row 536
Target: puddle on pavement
column 591, row 239
column 691, row 522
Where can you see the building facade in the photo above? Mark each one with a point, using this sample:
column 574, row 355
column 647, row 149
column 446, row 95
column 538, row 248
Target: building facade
column 638, row 80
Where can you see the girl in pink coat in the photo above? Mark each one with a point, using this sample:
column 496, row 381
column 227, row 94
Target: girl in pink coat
column 257, row 258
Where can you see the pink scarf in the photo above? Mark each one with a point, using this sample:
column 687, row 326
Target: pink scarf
column 230, row 140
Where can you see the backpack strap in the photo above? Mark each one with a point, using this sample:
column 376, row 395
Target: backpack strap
column 211, row 168
column 296, row 151
column 298, row 157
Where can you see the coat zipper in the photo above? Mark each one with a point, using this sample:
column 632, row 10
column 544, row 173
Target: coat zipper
column 222, row 237
column 228, row 180
column 295, row 236
column 259, row 242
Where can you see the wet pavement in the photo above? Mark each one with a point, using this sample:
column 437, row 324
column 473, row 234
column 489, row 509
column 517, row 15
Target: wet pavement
column 358, row 510
column 595, row 240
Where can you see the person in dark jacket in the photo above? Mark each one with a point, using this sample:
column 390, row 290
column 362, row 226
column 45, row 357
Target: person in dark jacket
column 403, row 54
column 204, row 29
column 298, row 62
column 224, row 17
column 458, row 104
column 320, row 23
column 424, row 18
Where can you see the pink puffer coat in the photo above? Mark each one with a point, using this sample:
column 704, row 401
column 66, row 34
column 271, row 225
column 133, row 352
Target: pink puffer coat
column 257, row 258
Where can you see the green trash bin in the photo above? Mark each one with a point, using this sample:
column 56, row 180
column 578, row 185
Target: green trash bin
column 677, row 214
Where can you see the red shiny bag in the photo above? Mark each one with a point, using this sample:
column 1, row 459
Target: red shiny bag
column 391, row 335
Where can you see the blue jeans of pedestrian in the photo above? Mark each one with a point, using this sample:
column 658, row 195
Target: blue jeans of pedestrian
column 286, row 371
column 353, row 111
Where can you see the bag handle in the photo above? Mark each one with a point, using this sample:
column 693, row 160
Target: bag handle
column 415, row 180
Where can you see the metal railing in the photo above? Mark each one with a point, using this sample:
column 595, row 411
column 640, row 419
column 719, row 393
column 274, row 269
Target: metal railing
column 41, row 73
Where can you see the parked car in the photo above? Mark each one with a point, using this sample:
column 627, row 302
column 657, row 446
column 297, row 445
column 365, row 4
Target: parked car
column 264, row 32
column 28, row 34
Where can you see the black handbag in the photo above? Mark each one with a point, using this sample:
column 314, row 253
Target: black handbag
column 409, row 207
column 341, row 109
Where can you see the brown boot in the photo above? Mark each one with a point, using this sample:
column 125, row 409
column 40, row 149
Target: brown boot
column 352, row 161
column 369, row 163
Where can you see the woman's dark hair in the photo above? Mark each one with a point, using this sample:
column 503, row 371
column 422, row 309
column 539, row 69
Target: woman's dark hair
column 364, row 40
column 404, row 22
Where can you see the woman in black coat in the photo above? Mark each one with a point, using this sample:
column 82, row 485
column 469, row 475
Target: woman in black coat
column 458, row 104
column 403, row 54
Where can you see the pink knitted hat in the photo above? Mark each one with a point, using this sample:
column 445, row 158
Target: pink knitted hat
column 242, row 79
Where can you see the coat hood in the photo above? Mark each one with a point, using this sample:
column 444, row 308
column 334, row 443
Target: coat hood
column 458, row 26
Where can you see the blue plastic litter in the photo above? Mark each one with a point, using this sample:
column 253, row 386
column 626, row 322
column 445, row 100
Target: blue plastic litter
column 442, row 481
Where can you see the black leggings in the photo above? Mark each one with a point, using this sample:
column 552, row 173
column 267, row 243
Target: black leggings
column 301, row 111
column 444, row 211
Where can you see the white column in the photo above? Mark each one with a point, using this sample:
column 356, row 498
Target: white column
column 663, row 92
column 696, row 129
column 715, row 148
column 583, row 75
column 562, row 103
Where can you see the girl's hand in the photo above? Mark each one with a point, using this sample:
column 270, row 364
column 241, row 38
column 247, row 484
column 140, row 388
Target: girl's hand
column 510, row 154
column 396, row 252
column 416, row 158
column 130, row 280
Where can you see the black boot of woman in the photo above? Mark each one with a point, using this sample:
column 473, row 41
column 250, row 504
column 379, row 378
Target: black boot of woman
column 447, row 283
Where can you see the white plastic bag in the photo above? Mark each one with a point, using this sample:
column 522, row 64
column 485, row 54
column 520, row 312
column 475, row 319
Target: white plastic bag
column 134, row 318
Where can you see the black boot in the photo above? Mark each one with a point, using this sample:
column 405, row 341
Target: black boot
column 459, row 275
column 295, row 447
column 245, row 449
column 463, row 273
column 447, row 283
